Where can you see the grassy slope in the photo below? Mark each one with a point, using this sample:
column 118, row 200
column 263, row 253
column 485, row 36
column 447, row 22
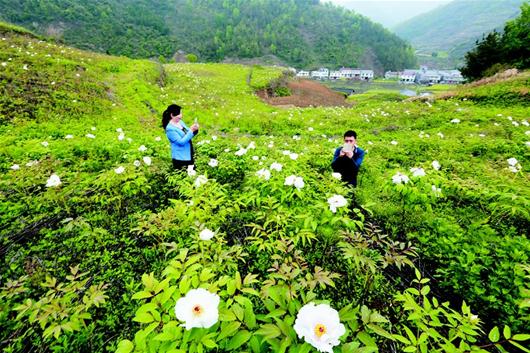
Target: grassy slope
column 483, row 199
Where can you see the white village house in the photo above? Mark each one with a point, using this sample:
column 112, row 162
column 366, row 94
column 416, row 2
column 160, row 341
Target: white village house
column 320, row 74
column 345, row 73
column 302, row 73
column 408, row 76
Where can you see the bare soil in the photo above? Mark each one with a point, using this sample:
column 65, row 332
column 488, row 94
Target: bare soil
column 306, row 93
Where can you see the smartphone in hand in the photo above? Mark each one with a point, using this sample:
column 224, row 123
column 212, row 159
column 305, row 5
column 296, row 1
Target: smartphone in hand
column 347, row 147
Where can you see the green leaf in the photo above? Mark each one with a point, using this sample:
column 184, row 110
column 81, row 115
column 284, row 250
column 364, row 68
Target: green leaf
column 125, row 346
column 494, row 335
column 521, row 337
column 269, row 331
column 144, row 318
column 526, row 350
column 228, row 330
column 208, row 342
column 507, row 333
column 401, row 339
column 238, row 340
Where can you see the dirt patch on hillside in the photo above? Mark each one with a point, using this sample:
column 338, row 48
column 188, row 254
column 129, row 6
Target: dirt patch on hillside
column 306, row 93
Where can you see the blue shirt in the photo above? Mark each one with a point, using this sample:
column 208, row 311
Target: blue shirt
column 180, row 142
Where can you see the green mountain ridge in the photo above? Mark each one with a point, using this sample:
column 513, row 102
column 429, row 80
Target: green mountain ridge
column 451, row 30
column 301, row 33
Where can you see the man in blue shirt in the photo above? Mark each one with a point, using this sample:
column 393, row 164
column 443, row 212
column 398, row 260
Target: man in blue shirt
column 347, row 161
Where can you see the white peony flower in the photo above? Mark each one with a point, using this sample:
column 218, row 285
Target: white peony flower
column 293, row 156
column 437, row 191
column 336, row 175
column 93, row 128
column 527, row 143
column 158, row 139
column 201, row 180
column 53, row 181
column 276, row 166
column 147, row 160
column 286, row 153
column 142, row 148
column 15, row 167
column 399, row 178
column 4, row 64
column 435, row 165
column 336, row 201
column 255, row 158
column 90, row 136
column 310, row 129
column 440, row 134
column 213, row 163
column 264, row 174
column 393, row 142
column 137, row 163
column 512, row 161
column 227, row 150
column 299, row 183
column 214, row 137
column 199, row 308
column 455, row 121
column 25, row 67
column 319, row 325
column 121, row 136
column 515, row 123
column 251, row 145
column 45, row 143
column 120, row 130
column 241, row 152
column 206, row 234
column 525, row 123
column 417, row 172
column 191, row 170
column 119, row 170
column 289, row 181
column 129, row 139
column 513, row 169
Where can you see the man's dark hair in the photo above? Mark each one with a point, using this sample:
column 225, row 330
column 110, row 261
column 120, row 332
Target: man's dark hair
column 350, row 133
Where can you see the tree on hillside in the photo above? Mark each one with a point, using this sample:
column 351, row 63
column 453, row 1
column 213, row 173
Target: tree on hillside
column 497, row 51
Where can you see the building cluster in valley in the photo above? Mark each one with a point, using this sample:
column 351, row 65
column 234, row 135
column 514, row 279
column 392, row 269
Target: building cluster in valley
column 345, row 73
column 426, row 76
column 422, row 76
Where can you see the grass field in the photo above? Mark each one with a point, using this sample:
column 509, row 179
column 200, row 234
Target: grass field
column 97, row 260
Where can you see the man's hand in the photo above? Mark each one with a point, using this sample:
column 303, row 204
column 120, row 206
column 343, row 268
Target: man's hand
column 342, row 153
column 195, row 127
column 348, row 154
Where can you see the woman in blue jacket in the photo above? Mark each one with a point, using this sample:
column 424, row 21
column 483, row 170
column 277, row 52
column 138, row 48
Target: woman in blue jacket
column 179, row 135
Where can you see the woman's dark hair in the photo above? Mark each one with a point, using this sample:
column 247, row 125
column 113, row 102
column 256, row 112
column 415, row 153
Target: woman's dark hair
column 173, row 109
column 350, row 133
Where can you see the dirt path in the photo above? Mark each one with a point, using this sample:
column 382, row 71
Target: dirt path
column 306, row 93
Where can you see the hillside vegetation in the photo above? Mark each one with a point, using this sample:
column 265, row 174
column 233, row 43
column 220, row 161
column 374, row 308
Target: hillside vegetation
column 100, row 238
column 302, row 33
column 451, row 30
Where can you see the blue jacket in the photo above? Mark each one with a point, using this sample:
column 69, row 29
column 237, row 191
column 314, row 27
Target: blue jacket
column 348, row 168
column 180, row 142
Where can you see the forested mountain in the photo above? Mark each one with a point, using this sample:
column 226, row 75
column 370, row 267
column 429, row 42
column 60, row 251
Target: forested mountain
column 448, row 32
column 302, row 33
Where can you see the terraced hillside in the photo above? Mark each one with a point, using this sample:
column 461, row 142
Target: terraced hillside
column 100, row 238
